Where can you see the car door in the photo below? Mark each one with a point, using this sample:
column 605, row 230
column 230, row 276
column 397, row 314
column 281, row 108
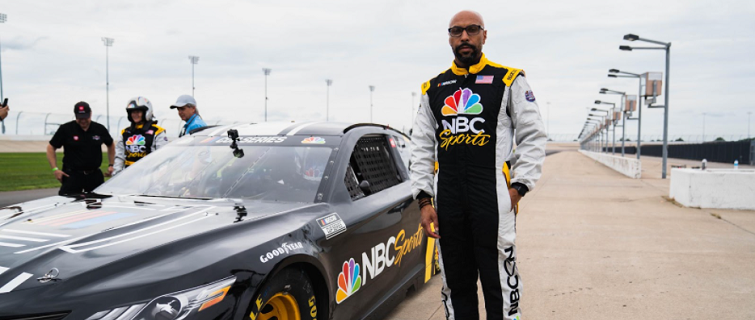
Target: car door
column 368, row 260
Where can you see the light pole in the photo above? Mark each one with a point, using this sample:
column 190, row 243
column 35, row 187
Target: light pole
column 328, row 82
column 623, row 119
column 3, row 18
column 624, row 74
column 108, row 43
column 193, row 60
column 372, row 89
column 605, row 117
column 267, row 73
column 601, row 123
column 610, row 116
column 665, row 46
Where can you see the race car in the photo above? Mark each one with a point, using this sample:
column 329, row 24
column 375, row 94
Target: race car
column 251, row 221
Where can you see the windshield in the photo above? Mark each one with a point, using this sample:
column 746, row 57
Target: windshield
column 274, row 173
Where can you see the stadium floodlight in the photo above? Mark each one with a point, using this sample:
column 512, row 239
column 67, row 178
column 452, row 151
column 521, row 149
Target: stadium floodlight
column 194, row 60
column 267, row 73
column 108, row 43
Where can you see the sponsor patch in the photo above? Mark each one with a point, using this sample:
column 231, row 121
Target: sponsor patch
column 529, row 96
column 484, row 80
column 331, row 225
column 150, row 132
column 445, row 83
column 75, row 138
column 97, row 138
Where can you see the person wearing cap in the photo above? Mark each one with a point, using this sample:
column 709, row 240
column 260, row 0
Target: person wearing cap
column 139, row 139
column 82, row 140
column 187, row 110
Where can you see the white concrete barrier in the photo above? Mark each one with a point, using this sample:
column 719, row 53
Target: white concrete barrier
column 627, row 166
column 714, row 188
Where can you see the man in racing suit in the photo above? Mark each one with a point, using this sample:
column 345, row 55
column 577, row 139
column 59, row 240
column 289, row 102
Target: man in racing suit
column 467, row 121
column 140, row 138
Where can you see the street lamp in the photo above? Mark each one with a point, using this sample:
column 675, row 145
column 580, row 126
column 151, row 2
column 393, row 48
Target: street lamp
column 267, row 73
column 664, row 46
column 108, row 43
column 3, row 18
column 372, row 89
column 193, row 60
column 625, row 74
column 610, row 116
column 623, row 119
column 328, row 82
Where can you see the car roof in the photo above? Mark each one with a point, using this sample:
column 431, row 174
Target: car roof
column 322, row 128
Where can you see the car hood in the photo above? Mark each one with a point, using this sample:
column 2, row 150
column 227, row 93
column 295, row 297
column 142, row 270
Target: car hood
column 59, row 241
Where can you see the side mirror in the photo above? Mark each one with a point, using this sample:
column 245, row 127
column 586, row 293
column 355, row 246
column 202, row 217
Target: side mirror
column 365, row 186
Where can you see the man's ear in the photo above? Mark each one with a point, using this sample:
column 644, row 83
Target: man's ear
column 484, row 35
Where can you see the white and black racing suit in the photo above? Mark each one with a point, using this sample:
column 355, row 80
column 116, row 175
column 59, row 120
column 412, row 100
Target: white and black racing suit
column 467, row 122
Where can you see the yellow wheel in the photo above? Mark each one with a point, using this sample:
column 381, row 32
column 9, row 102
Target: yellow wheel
column 289, row 295
column 282, row 306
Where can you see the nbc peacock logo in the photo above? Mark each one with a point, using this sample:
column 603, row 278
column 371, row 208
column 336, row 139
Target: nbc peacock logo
column 135, row 140
column 349, row 280
column 463, row 101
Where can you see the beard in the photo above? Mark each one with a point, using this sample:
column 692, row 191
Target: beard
column 467, row 59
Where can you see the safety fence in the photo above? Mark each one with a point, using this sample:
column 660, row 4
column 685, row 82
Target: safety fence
column 742, row 151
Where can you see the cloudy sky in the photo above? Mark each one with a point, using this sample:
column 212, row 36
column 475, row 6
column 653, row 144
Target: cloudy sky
column 52, row 56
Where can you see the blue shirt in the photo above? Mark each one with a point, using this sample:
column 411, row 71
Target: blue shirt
column 193, row 123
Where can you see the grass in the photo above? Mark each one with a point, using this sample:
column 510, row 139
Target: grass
column 26, row 171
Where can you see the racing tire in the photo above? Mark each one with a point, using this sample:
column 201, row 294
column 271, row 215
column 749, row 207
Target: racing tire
column 287, row 296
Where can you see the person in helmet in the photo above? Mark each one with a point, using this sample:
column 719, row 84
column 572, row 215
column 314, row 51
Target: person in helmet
column 140, row 138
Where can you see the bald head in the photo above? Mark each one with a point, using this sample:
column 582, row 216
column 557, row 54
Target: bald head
column 466, row 35
column 468, row 17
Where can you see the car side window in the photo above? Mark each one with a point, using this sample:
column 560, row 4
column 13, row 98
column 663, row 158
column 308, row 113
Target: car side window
column 371, row 167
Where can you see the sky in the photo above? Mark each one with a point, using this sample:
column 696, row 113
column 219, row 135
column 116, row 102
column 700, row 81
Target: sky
column 52, row 57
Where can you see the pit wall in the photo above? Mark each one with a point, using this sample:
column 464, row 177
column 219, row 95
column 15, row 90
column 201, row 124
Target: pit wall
column 627, row 166
column 713, row 188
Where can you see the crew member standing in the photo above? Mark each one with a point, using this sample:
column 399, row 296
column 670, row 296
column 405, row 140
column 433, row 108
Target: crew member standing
column 82, row 141
column 466, row 122
column 140, row 138
column 187, row 110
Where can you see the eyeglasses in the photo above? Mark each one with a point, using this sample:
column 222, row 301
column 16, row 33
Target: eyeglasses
column 472, row 29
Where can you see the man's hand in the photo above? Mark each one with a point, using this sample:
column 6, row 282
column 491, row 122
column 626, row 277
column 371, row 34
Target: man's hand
column 4, row 112
column 109, row 172
column 429, row 216
column 59, row 174
column 515, row 197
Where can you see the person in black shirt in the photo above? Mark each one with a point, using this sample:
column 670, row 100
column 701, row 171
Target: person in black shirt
column 82, row 140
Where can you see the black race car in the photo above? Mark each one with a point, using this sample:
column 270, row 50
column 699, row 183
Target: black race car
column 255, row 221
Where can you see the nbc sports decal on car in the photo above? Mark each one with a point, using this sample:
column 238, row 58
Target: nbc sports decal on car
column 380, row 257
column 456, row 129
